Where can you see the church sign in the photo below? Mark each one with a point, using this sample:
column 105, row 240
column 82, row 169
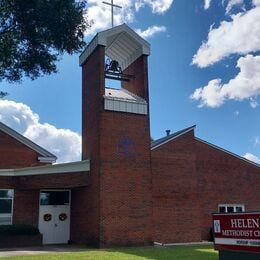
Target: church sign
column 237, row 231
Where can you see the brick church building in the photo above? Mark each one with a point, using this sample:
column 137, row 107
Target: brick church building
column 126, row 190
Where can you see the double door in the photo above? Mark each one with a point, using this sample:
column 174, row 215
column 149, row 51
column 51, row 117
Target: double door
column 54, row 216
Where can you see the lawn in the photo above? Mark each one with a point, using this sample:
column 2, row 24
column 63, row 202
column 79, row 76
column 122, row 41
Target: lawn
column 140, row 253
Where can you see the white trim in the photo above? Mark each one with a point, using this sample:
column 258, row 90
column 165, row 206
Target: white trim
column 102, row 38
column 44, row 153
column 228, row 152
column 47, row 159
column 48, row 169
column 231, row 205
column 172, row 138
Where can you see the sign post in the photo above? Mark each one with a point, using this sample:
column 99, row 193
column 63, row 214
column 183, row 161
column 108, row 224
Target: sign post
column 237, row 235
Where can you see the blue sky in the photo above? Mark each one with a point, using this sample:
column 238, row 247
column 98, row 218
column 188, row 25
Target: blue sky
column 203, row 69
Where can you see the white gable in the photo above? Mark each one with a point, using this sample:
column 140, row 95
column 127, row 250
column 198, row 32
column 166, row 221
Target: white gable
column 122, row 44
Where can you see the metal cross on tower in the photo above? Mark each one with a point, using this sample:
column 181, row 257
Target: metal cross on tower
column 112, row 9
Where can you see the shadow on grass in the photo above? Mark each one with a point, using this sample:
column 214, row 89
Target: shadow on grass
column 174, row 252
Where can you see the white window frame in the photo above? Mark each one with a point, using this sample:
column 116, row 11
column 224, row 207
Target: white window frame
column 12, row 208
column 231, row 205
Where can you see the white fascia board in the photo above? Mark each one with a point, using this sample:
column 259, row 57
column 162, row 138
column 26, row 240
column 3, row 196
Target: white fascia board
column 88, row 50
column 174, row 137
column 228, row 152
column 81, row 166
column 47, row 159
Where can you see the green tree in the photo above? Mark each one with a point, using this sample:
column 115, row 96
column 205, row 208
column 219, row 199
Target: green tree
column 35, row 33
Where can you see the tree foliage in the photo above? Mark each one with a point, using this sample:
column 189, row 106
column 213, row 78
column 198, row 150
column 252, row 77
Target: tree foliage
column 35, row 33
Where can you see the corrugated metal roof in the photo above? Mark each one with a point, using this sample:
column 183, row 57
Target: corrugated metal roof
column 122, row 44
column 122, row 100
column 170, row 137
column 119, row 93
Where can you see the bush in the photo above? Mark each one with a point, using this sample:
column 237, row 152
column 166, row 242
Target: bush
column 18, row 230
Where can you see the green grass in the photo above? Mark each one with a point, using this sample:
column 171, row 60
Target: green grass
column 140, row 253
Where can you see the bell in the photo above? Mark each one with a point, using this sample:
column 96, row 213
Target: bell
column 114, row 65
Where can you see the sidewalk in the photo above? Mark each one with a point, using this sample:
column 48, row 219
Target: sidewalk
column 4, row 252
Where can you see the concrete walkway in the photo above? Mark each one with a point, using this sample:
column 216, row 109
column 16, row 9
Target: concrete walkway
column 5, row 252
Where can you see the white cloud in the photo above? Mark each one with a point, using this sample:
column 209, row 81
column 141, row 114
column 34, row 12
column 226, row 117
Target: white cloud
column 157, row 6
column 100, row 14
column 236, row 113
column 246, row 85
column 207, row 4
column 256, row 2
column 253, row 102
column 64, row 143
column 232, row 3
column 150, row 31
column 257, row 140
column 241, row 36
column 252, row 157
column 209, row 95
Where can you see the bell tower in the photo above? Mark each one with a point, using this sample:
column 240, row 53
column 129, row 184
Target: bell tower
column 116, row 139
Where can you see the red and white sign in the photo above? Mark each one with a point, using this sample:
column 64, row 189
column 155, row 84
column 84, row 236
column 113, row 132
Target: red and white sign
column 237, row 231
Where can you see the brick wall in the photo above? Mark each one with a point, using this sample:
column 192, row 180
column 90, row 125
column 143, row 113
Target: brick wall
column 85, row 211
column 116, row 207
column 26, row 207
column 125, row 180
column 175, row 191
column 224, row 179
column 52, row 181
column 190, row 180
column 139, row 84
column 14, row 154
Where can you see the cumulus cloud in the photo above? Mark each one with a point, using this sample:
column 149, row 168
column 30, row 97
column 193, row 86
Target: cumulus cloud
column 100, row 13
column 246, row 85
column 241, row 35
column 151, row 31
column 64, row 143
column 232, row 3
column 252, row 157
column 256, row 2
column 207, row 4
column 157, row 6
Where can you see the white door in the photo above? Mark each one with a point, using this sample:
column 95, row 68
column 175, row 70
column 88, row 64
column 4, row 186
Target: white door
column 54, row 216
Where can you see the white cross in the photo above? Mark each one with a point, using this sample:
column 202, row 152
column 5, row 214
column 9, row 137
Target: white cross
column 112, row 10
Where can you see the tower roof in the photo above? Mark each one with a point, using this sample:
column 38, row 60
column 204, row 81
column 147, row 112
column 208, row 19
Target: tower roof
column 122, row 44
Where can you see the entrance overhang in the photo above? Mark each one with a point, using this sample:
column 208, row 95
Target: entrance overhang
column 66, row 175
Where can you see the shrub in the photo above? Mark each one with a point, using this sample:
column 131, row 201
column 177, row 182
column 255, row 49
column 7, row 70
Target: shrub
column 18, row 230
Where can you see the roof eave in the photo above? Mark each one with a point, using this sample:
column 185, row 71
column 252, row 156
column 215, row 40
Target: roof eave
column 102, row 37
column 22, row 139
column 226, row 151
column 80, row 166
column 173, row 137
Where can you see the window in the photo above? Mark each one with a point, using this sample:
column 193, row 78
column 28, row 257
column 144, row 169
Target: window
column 230, row 208
column 54, row 198
column 6, row 206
